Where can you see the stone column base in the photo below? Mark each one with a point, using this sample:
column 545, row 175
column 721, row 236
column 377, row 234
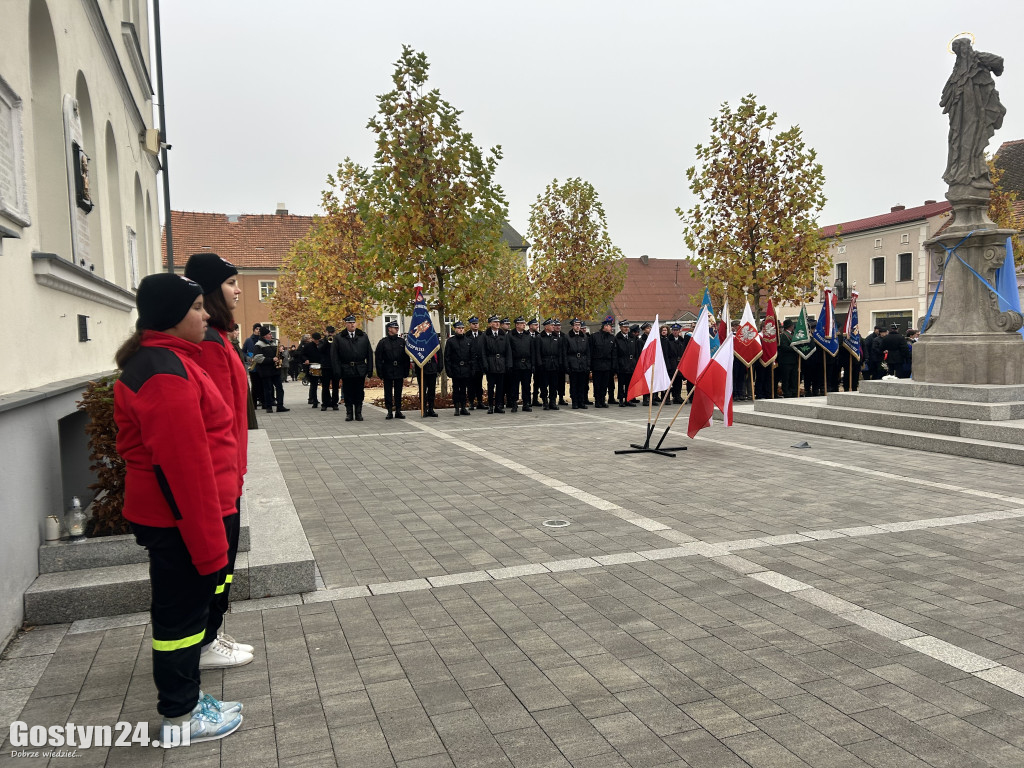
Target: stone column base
column 992, row 358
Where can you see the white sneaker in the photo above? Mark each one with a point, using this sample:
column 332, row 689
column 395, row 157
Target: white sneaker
column 204, row 723
column 219, row 656
column 234, row 645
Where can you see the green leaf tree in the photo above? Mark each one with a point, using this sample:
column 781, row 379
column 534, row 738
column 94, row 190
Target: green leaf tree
column 1002, row 210
column 431, row 208
column 501, row 288
column 575, row 267
column 759, row 194
column 325, row 275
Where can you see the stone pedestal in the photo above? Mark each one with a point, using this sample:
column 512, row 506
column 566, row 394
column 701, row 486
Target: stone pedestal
column 971, row 342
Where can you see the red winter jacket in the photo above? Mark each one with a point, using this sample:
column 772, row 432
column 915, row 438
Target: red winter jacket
column 176, row 435
column 217, row 356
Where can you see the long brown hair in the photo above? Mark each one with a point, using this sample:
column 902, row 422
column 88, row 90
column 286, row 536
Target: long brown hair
column 221, row 317
column 128, row 350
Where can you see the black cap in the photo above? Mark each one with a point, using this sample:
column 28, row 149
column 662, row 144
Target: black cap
column 635, row 328
column 575, row 320
column 474, row 319
column 646, row 325
column 458, row 324
column 548, row 321
column 623, row 323
column 350, row 318
column 392, row 324
column 557, row 323
column 676, row 327
column 787, row 323
column 265, row 331
column 329, row 328
column 520, row 319
column 209, row 270
column 506, row 321
column 532, row 321
column 163, row 299
column 493, row 319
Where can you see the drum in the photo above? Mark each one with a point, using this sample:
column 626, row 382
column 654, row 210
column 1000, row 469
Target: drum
column 314, row 369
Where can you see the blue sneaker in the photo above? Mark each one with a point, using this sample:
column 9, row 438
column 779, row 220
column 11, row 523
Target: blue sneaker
column 224, row 707
column 204, row 723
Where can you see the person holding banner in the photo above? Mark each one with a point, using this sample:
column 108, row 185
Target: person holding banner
column 787, row 359
column 392, row 367
column 428, row 371
column 460, row 357
column 352, row 359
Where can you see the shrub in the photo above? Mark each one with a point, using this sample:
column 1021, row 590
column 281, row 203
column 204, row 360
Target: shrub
column 98, row 402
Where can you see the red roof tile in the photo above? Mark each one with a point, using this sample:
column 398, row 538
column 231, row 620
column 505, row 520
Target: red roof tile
column 256, row 241
column 887, row 219
column 660, row 287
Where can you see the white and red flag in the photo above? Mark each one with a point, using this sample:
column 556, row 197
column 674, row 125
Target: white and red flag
column 651, row 373
column 695, row 359
column 747, row 344
column 716, row 380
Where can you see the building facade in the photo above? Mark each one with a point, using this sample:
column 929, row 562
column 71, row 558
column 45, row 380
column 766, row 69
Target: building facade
column 79, row 228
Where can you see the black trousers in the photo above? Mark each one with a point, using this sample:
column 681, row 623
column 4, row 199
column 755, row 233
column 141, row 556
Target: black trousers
column 353, row 389
column 459, row 388
column 179, row 611
column 495, row 390
column 763, row 381
column 560, row 384
column 475, row 388
column 611, row 386
column 521, row 383
column 546, row 386
column 222, row 592
column 790, row 380
column 429, row 391
column 329, row 389
column 624, row 384
column 602, row 380
column 579, row 384
column 273, row 392
column 314, row 388
column 511, row 389
column 677, row 386
column 256, row 385
column 393, row 394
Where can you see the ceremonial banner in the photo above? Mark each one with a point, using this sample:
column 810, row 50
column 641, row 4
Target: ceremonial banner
column 769, row 336
column 644, row 381
column 825, row 331
column 851, row 332
column 421, row 342
column 747, row 344
column 716, row 380
column 1006, row 283
column 802, row 343
column 695, row 359
column 706, row 304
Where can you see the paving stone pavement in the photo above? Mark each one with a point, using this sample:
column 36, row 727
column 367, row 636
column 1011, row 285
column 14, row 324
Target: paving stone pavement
column 851, row 605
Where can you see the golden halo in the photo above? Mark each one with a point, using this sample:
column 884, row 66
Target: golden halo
column 949, row 45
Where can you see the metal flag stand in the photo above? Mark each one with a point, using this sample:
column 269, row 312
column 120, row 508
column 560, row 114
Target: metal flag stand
column 646, row 447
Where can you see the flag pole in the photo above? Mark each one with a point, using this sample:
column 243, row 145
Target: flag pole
column 421, row 391
column 824, row 368
column 752, row 395
column 678, row 411
column 667, row 391
column 646, row 447
column 798, row 361
column 773, row 380
column 849, row 372
column 650, row 400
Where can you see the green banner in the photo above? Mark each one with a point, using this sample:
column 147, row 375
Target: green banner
column 802, row 343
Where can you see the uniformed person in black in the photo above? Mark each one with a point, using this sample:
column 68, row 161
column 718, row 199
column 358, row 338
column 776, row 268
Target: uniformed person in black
column 460, row 359
column 494, row 359
column 476, row 381
column 549, row 352
column 560, row 379
column 523, row 350
column 429, row 371
column 577, row 363
column 310, row 353
column 352, row 358
column 645, row 332
column 533, row 328
column 329, row 375
column 602, row 361
column 675, row 345
column 511, row 390
column 392, row 367
column 625, row 359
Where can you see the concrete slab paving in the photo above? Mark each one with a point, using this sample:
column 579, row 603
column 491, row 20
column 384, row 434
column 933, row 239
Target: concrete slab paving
column 873, row 617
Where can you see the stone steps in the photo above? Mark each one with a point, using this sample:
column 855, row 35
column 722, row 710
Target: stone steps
column 108, row 577
column 957, row 437
column 929, row 407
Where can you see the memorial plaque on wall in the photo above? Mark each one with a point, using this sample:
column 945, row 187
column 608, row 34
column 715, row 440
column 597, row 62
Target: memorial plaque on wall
column 77, row 163
column 13, row 198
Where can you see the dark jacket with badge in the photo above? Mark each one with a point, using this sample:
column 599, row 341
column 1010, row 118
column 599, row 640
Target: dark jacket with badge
column 352, row 358
column 460, row 356
column 576, row 352
column 494, row 352
column 549, row 352
column 324, row 347
column 522, row 350
column 626, row 353
column 674, row 346
column 602, row 351
column 391, row 358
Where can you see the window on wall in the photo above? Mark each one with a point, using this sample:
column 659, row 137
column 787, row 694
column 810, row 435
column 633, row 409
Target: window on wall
column 842, row 284
column 267, row 289
column 878, row 270
column 878, row 242
column 393, row 319
column 133, row 258
column 904, row 238
column 905, row 267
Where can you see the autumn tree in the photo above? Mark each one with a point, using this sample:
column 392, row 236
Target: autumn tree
column 324, row 276
column 575, row 267
column 1002, row 210
column 759, row 193
column 431, row 208
column 501, row 288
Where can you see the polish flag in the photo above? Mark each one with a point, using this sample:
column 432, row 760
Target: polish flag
column 716, row 380
column 650, row 374
column 695, row 359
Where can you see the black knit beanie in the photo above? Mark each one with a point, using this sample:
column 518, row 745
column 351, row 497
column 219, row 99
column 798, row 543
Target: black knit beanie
column 209, row 270
column 163, row 300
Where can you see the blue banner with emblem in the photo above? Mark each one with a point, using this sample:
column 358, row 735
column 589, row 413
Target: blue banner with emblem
column 824, row 333
column 421, row 343
column 851, row 333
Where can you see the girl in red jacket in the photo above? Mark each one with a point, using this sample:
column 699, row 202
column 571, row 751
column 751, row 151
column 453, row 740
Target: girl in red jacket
column 219, row 280
column 176, row 436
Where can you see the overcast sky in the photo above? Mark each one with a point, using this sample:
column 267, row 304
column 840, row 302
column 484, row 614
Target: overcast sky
column 264, row 99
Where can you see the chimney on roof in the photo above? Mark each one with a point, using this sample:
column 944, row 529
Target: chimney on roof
column 897, row 208
column 282, row 210
column 929, row 202
column 645, row 259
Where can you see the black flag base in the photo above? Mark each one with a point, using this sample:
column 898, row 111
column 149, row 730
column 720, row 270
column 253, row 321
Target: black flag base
column 646, row 447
